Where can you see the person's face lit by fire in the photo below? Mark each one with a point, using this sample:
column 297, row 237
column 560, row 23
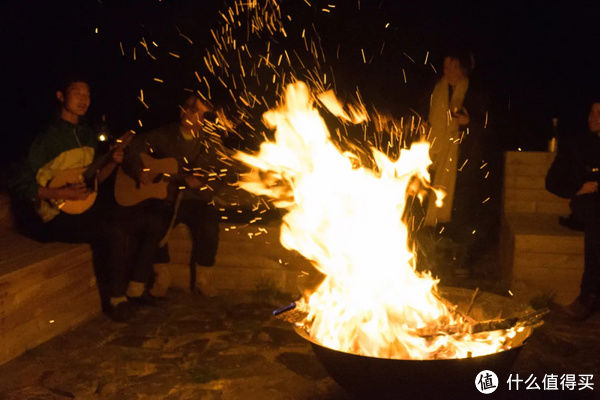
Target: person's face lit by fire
column 594, row 118
column 74, row 100
column 454, row 72
column 192, row 113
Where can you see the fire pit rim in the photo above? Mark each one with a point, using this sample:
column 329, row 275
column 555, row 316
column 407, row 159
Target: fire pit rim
column 303, row 334
column 300, row 331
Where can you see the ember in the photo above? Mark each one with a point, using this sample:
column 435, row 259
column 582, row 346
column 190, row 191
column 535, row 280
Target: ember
column 347, row 219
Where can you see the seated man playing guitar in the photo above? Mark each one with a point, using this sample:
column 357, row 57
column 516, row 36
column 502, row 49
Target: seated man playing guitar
column 54, row 196
column 199, row 162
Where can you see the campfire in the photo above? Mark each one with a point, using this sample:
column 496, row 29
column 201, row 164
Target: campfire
column 347, row 219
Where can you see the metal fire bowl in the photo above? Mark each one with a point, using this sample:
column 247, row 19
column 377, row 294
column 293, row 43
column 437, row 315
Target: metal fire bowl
column 373, row 377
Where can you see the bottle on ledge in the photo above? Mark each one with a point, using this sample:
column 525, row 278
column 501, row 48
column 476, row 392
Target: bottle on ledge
column 552, row 143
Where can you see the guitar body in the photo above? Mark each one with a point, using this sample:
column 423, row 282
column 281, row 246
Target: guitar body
column 129, row 193
column 72, row 176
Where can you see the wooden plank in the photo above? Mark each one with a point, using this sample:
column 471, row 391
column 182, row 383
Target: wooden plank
column 538, row 224
column 529, row 157
column 525, row 182
column 549, row 244
column 525, row 170
column 46, row 291
column 556, row 208
column 518, row 206
column 48, row 267
column 532, row 194
column 241, row 279
column 38, row 330
column 35, row 257
column 52, row 309
column 28, row 309
column 550, row 261
column 25, row 280
column 32, row 256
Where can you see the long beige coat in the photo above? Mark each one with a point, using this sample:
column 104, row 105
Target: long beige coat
column 444, row 138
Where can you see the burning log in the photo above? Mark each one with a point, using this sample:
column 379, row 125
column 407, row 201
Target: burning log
column 290, row 313
column 532, row 319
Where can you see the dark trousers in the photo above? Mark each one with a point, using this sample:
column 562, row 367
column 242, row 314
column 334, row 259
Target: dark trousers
column 89, row 227
column 472, row 220
column 203, row 221
column 586, row 211
column 124, row 241
column 134, row 235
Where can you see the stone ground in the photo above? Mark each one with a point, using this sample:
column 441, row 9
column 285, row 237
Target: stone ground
column 195, row 347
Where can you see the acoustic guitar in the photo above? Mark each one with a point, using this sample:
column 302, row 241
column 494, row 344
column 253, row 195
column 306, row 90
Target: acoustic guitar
column 129, row 193
column 87, row 175
column 166, row 179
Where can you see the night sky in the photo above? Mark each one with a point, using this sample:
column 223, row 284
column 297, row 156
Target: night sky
column 538, row 59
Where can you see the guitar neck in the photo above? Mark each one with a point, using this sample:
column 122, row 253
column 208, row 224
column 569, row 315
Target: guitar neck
column 90, row 173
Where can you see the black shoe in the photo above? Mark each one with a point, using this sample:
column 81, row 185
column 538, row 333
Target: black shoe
column 122, row 312
column 145, row 300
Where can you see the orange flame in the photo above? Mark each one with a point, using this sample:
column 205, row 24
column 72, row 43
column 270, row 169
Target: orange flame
column 348, row 221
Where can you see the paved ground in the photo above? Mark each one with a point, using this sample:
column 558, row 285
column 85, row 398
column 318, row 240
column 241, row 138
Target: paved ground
column 194, row 347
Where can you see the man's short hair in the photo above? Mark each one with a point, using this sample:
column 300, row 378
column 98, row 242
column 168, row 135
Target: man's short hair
column 187, row 98
column 70, row 79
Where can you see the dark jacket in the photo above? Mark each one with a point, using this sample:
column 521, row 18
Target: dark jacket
column 577, row 162
column 477, row 138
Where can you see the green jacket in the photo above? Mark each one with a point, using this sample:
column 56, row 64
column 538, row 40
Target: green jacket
column 61, row 146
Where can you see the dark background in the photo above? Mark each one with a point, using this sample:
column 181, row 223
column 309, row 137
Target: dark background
column 538, row 59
